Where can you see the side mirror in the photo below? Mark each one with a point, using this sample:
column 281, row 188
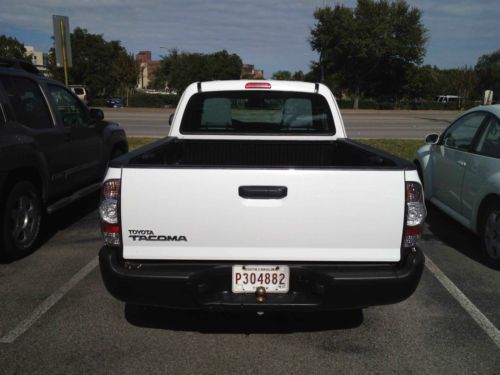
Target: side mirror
column 96, row 114
column 170, row 119
column 432, row 139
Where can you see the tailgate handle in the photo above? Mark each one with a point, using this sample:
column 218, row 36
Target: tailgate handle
column 263, row 192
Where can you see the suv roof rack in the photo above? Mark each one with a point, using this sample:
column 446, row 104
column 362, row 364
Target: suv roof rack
column 19, row 64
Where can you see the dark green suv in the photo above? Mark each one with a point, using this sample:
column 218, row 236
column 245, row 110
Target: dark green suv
column 53, row 150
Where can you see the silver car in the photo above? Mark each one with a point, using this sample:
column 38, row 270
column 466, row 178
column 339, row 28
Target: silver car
column 460, row 170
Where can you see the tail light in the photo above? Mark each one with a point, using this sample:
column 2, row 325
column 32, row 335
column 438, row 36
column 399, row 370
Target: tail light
column 415, row 214
column 109, row 212
column 85, row 99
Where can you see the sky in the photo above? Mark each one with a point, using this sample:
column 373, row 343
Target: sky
column 271, row 34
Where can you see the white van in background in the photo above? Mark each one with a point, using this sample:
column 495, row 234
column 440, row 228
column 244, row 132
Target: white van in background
column 82, row 92
column 448, row 98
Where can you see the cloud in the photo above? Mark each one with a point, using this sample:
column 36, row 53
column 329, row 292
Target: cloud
column 270, row 34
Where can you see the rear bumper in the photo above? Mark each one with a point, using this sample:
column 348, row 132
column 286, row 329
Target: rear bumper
column 207, row 285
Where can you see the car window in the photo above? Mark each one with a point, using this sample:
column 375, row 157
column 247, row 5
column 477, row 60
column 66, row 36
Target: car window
column 78, row 91
column 461, row 134
column 70, row 108
column 27, row 102
column 489, row 144
column 257, row 112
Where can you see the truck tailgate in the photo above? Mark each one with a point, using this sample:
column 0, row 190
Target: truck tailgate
column 327, row 215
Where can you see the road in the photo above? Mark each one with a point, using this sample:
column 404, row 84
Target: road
column 359, row 124
column 57, row 317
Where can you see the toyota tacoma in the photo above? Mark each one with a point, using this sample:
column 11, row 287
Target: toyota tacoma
column 257, row 200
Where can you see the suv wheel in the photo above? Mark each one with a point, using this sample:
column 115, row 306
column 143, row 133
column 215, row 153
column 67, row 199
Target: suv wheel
column 490, row 234
column 21, row 220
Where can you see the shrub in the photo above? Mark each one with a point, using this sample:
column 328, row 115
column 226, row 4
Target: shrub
column 363, row 104
column 407, row 104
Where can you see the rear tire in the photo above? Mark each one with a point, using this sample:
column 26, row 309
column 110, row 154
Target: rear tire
column 490, row 233
column 20, row 221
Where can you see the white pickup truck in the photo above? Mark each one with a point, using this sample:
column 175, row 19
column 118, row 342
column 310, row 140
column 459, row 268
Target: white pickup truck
column 257, row 200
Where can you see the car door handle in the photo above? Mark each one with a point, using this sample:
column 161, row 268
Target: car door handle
column 263, row 192
column 462, row 163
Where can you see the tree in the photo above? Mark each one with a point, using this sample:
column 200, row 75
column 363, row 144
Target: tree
column 488, row 73
column 464, row 82
column 162, row 74
column 12, row 48
column 371, row 48
column 314, row 75
column 423, row 82
column 298, row 76
column 285, row 75
column 223, row 65
column 125, row 70
column 179, row 69
column 282, row 75
column 104, row 66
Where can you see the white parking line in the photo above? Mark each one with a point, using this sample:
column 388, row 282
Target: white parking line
column 50, row 301
column 483, row 322
column 488, row 327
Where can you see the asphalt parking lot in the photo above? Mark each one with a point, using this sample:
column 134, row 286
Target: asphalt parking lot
column 56, row 317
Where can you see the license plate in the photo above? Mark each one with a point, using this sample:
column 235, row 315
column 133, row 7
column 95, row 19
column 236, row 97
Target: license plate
column 247, row 278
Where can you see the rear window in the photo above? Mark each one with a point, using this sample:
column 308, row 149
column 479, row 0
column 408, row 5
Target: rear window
column 257, row 112
column 78, row 91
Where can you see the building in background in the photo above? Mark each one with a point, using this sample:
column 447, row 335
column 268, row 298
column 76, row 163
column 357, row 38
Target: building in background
column 248, row 71
column 147, row 69
column 38, row 58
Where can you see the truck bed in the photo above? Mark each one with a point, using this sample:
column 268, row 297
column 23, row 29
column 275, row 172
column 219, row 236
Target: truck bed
column 258, row 201
column 343, row 153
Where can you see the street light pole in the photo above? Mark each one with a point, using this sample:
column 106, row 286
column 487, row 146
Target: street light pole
column 64, row 52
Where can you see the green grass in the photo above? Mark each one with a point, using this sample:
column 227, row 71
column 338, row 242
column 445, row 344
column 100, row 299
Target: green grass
column 404, row 148
column 136, row 142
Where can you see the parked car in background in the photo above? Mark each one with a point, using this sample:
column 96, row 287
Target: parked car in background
column 82, row 92
column 448, row 98
column 460, row 170
column 115, row 102
column 53, row 150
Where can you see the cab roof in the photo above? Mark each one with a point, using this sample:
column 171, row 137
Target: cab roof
column 243, row 84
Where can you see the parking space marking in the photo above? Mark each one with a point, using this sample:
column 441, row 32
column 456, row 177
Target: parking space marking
column 483, row 322
column 50, row 301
